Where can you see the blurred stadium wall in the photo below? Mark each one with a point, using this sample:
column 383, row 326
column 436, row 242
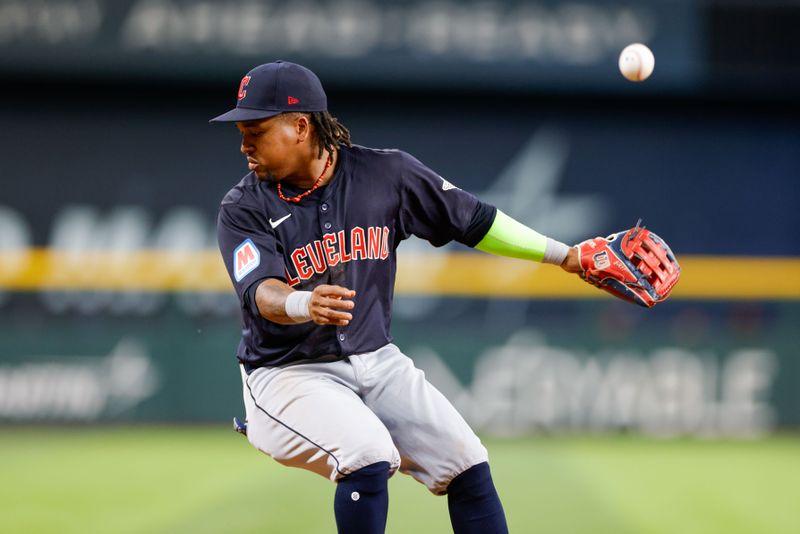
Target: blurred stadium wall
column 114, row 305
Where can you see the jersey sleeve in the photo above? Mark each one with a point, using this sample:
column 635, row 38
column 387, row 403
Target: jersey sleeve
column 248, row 247
column 439, row 212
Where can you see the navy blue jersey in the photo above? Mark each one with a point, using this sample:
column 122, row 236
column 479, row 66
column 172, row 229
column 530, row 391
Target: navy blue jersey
column 346, row 234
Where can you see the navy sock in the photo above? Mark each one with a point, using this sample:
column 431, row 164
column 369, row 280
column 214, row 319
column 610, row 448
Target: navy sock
column 362, row 500
column 474, row 504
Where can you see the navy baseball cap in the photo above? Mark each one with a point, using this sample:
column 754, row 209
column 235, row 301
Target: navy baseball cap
column 274, row 88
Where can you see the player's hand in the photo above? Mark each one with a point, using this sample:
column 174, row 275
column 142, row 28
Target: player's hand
column 329, row 305
column 572, row 263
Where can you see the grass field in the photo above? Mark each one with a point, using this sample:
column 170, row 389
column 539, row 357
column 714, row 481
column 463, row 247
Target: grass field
column 208, row 479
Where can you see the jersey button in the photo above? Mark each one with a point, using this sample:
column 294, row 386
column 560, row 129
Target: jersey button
column 324, row 207
column 327, row 225
column 341, row 337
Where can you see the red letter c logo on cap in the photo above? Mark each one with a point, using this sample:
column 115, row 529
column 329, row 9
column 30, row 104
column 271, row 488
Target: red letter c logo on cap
column 242, row 92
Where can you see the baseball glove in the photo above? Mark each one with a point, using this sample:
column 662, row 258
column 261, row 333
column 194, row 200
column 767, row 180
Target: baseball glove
column 635, row 265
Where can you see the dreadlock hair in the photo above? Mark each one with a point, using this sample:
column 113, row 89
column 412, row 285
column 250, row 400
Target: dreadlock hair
column 330, row 132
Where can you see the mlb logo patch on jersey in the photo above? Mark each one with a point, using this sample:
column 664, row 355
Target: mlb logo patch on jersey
column 246, row 257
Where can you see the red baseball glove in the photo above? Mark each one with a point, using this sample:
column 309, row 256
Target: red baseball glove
column 635, row 265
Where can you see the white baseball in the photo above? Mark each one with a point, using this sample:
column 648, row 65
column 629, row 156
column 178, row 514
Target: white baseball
column 636, row 62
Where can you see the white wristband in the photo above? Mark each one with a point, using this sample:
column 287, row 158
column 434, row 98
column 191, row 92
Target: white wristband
column 555, row 252
column 296, row 305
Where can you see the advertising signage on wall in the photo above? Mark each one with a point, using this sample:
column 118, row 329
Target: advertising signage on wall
column 553, row 44
column 511, row 367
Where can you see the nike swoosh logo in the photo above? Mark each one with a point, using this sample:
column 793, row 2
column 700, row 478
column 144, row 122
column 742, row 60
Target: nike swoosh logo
column 275, row 224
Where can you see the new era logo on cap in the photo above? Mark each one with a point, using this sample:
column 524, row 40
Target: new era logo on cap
column 275, row 88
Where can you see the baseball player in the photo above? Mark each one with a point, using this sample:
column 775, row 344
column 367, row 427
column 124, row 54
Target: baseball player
column 309, row 238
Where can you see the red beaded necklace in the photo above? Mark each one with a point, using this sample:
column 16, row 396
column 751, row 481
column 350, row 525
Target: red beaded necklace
column 301, row 196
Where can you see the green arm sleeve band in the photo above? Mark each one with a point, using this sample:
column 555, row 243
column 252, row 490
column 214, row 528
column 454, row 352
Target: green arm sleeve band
column 508, row 237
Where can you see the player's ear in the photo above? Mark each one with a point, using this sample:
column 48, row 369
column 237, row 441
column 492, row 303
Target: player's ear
column 302, row 127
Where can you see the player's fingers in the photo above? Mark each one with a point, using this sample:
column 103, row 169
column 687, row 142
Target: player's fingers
column 334, row 291
column 331, row 313
column 335, row 303
column 326, row 303
column 328, row 316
